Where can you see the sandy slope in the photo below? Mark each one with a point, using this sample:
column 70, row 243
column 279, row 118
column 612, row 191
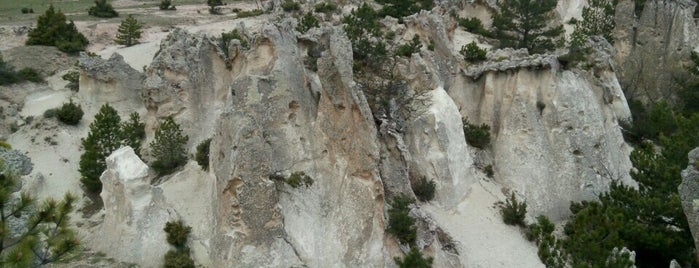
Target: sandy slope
column 485, row 241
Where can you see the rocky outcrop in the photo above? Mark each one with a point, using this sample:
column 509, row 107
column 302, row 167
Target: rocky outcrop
column 555, row 133
column 650, row 45
column 689, row 194
column 44, row 59
column 135, row 212
column 279, row 122
column 16, row 161
column 110, row 81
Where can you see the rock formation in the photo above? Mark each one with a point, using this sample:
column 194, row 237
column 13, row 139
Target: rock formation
column 689, row 194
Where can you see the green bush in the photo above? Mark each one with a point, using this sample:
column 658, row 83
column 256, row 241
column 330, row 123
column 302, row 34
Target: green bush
column 400, row 224
column 513, row 211
column 234, row 34
column 307, row 22
column 168, row 147
column 290, row 5
column 251, row 13
column 474, row 25
column 477, row 136
column 31, row 75
column 70, row 113
column 325, row 7
column 406, row 50
column 26, row 10
column 424, row 189
column 178, row 259
column 213, row 4
column 177, row 233
column 473, row 53
column 52, row 30
column 299, row 178
column 414, row 259
column 102, row 9
column 401, row 8
column 166, row 5
column 4, row 144
column 50, row 113
column 202, row 155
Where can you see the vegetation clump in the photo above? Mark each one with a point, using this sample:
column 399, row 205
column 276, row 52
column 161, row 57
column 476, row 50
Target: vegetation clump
column 129, row 32
column 290, row 5
column 102, row 9
column 307, row 22
column 473, row 53
column 73, row 78
column 202, row 155
column 406, row 50
column 513, row 211
column 325, row 7
column 526, row 24
column 166, row 5
column 168, row 147
column 400, row 224
column 424, row 189
column 296, row 179
column 477, row 136
column 9, row 76
column 177, row 235
column 401, row 8
column 70, row 113
column 41, row 233
column 251, row 13
column 26, row 10
column 474, row 25
column 414, row 259
column 107, row 134
column 52, row 30
column 213, row 6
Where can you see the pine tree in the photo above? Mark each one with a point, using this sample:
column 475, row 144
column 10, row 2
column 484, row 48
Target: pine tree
column 525, row 24
column 133, row 131
column 105, row 137
column 168, row 147
column 597, row 19
column 33, row 236
column 129, row 32
column 52, row 30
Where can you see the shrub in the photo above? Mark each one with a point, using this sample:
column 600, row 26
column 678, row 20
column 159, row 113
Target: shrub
column 414, row 259
column 307, row 22
column 474, row 25
column 477, row 136
column 401, row 8
column 4, row 144
column 473, row 53
column 29, row 74
column 74, row 79
column 234, row 34
column 290, row 5
column 325, row 7
column 129, row 32
column 430, row 46
column 251, row 13
column 202, row 155
column 400, row 224
column 213, row 4
column 26, row 10
column 299, row 178
column 177, row 233
column 70, row 113
column 178, row 259
column 406, row 50
column 168, row 147
column 52, row 30
column 424, row 189
column 166, row 5
column 513, row 211
column 102, row 9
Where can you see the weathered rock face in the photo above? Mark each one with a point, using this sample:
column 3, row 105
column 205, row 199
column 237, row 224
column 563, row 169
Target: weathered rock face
column 188, row 79
column 110, row 81
column 650, row 46
column 135, row 212
column 555, row 133
column 283, row 119
column 16, row 161
column 689, row 194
